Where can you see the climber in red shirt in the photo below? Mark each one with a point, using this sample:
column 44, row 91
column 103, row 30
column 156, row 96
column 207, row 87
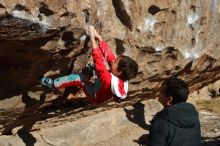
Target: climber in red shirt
column 108, row 84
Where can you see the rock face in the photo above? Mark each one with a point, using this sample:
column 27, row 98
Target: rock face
column 113, row 127
column 166, row 38
column 46, row 37
column 119, row 126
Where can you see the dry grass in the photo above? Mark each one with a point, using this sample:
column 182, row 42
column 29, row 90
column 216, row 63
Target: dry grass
column 212, row 105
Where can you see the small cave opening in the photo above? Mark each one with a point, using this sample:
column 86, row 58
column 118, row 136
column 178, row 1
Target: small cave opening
column 1, row 6
column 45, row 10
column 153, row 9
column 68, row 39
column 120, row 49
column 193, row 42
column 148, row 49
column 122, row 14
column 20, row 7
column 86, row 15
column 169, row 49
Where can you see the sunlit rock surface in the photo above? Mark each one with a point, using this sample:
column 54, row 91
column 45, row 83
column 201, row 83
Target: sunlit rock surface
column 166, row 38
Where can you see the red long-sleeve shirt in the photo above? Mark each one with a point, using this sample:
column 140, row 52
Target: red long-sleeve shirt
column 99, row 54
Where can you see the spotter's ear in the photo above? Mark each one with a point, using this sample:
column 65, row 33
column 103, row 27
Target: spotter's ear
column 170, row 100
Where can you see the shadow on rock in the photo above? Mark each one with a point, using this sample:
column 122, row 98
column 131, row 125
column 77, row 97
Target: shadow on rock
column 211, row 141
column 136, row 115
column 36, row 111
column 27, row 119
column 25, row 135
column 142, row 141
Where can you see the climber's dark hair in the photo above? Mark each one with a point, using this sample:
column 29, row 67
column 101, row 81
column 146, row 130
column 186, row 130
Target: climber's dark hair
column 128, row 68
column 176, row 88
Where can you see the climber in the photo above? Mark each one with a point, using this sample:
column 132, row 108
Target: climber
column 107, row 84
column 177, row 124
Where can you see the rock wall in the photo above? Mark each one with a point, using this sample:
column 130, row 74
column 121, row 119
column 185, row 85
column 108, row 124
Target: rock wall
column 48, row 37
column 144, row 30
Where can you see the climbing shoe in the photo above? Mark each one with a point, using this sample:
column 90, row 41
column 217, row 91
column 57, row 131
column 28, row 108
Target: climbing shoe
column 46, row 81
